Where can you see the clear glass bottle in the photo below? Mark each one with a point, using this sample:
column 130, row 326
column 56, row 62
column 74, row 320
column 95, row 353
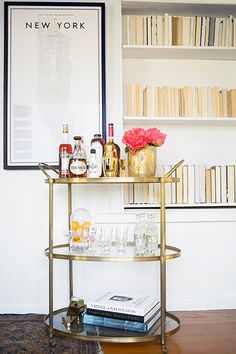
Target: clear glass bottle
column 151, row 235
column 93, row 171
column 78, row 164
column 110, row 157
column 139, row 235
column 65, row 151
column 98, row 143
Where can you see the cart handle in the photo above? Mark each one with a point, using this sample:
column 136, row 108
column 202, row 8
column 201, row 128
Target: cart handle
column 43, row 166
column 169, row 173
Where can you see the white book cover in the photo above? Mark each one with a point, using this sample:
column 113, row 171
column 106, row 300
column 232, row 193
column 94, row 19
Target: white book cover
column 179, row 185
column 230, row 183
column 154, row 30
column 160, row 31
column 145, row 35
column 202, row 178
column 173, row 189
column 150, row 193
column 197, row 184
column 218, row 183
column 170, row 30
column 156, row 193
column 213, row 185
column 133, row 305
column 185, row 184
column 166, row 29
column 149, row 30
column 223, row 184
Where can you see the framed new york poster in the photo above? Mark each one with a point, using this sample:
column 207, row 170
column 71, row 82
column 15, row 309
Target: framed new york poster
column 54, row 74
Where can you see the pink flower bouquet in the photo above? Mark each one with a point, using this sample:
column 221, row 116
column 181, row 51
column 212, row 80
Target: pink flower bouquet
column 138, row 138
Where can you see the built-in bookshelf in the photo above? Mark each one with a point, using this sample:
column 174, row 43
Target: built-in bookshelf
column 187, row 101
column 200, row 32
column 199, row 185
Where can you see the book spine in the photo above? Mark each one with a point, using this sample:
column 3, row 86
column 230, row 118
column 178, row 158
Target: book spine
column 115, row 315
column 109, row 322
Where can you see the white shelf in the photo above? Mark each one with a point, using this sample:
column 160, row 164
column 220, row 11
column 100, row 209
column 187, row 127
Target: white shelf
column 178, row 52
column 180, row 120
column 180, row 7
column 202, row 205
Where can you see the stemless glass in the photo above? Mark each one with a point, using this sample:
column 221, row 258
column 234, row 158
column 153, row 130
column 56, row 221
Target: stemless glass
column 106, row 239
column 121, row 236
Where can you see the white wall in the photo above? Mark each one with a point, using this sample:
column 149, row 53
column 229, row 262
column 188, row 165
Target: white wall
column 203, row 278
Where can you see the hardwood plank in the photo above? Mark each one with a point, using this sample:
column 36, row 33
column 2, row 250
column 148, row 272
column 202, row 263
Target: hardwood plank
column 201, row 332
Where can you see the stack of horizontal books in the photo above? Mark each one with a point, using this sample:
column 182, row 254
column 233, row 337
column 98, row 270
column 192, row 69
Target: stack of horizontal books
column 132, row 313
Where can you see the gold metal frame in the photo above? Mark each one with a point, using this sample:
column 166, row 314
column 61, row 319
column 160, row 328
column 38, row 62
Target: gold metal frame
column 51, row 254
column 93, row 258
column 133, row 339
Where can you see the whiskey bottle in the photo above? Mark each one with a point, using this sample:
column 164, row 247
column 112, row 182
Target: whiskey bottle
column 78, row 164
column 65, row 151
column 110, row 157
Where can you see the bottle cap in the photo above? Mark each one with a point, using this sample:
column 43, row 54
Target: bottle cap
column 78, row 137
column 65, row 128
column 93, row 151
column 97, row 135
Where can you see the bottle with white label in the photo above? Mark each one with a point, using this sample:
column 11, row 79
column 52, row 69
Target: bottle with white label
column 78, row 164
column 93, row 164
column 98, row 143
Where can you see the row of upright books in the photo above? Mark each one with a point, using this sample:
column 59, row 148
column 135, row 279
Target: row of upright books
column 131, row 313
column 198, row 185
column 159, row 30
column 185, row 101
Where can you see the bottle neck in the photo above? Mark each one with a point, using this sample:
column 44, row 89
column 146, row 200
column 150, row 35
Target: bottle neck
column 65, row 137
column 110, row 132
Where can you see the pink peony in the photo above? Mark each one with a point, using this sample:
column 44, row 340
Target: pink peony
column 155, row 137
column 136, row 138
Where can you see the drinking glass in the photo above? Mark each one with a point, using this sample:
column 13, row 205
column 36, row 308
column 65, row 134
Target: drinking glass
column 69, row 234
column 106, row 236
column 121, row 236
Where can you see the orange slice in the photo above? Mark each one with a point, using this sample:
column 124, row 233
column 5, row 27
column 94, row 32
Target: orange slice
column 75, row 225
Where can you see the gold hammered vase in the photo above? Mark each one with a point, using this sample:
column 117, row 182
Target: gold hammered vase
column 142, row 163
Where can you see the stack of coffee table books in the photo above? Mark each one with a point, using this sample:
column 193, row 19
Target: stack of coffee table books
column 131, row 313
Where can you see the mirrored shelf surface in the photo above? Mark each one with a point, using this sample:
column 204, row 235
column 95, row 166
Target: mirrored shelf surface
column 106, row 334
column 96, row 254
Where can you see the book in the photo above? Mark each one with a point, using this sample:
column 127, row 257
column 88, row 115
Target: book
column 134, row 305
column 122, row 324
column 230, row 172
column 124, row 316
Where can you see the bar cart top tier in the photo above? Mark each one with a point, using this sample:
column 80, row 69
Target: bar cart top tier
column 108, row 180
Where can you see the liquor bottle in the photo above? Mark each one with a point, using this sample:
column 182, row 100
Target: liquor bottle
column 98, row 143
column 110, row 157
column 65, row 151
column 139, row 235
column 93, row 171
column 78, row 164
column 151, row 236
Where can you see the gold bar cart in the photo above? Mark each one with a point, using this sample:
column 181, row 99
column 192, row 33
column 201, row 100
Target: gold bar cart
column 169, row 323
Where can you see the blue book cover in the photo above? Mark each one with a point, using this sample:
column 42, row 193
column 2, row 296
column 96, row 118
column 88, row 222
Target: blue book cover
column 121, row 324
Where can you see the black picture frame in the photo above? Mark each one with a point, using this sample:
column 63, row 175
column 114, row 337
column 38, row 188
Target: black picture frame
column 16, row 112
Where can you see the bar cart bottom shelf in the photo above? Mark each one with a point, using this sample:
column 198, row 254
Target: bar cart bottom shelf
column 105, row 334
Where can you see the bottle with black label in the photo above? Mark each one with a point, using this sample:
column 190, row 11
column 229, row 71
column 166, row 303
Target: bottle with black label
column 93, row 171
column 78, row 164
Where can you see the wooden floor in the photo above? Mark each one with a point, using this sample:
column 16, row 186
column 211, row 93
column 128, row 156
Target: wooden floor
column 201, row 332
